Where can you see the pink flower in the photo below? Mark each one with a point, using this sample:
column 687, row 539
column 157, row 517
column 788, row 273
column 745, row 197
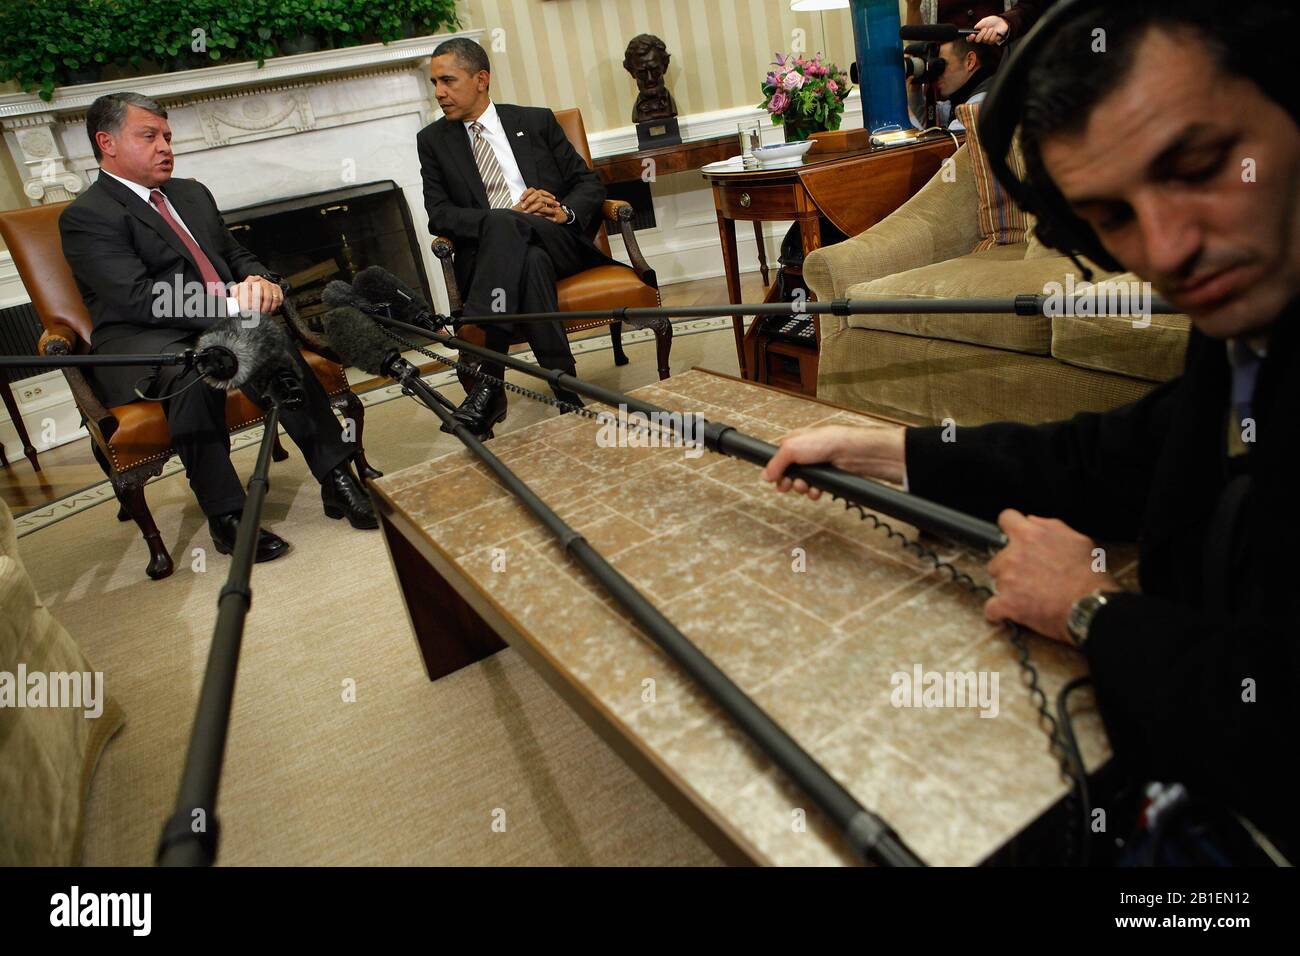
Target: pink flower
column 793, row 81
column 780, row 59
column 778, row 102
column 833, row 86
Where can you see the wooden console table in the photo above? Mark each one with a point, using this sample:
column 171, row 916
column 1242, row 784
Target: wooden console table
column 853, row 190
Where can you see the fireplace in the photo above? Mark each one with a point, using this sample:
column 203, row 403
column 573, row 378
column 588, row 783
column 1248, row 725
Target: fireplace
column 310, row 240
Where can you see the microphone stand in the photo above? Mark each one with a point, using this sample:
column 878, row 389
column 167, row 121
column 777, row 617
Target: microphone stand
column 927, row 515
column 1023, row 305
column 870, row 836
column 191, row 834
column 95, row 361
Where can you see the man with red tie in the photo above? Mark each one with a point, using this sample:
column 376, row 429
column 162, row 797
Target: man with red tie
column 139, row 242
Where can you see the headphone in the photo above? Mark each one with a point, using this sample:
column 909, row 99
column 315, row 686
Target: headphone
column 1058, row 226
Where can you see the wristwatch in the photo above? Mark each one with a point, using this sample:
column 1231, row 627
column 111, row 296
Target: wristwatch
column 1079, row 621
column 573, row 216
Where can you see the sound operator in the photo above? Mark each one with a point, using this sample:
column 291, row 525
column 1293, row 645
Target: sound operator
column 1175, row 153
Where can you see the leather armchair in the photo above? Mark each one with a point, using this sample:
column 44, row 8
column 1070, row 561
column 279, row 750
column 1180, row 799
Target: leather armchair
column 605, row 287
column 131, row 442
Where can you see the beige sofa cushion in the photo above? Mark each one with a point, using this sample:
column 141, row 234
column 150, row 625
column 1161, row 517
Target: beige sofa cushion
column 996, row 273
column 1153, row 353
column 47, row 754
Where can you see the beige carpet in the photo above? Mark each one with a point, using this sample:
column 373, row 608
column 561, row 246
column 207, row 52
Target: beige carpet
column 412, row 772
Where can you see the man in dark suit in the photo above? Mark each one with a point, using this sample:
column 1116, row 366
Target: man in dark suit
column 136, row 239
column 1196, row 675
column 506, row 185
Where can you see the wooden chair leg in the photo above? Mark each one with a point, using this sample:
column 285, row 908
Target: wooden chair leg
column 23, row 438
column 616, row 337
column 130, row 492
column 277, row 452
column 355, row 410
column 663, row 345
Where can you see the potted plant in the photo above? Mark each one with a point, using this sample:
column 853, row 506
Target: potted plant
column 806, row 95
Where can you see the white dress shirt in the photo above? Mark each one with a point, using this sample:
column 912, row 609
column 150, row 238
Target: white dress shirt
column 232, row 303
column 496, row 136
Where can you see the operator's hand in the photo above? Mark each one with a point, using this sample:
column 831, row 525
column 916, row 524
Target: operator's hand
column 992, row 30
column 870, row 452
column 258, row 294
column 1043, row 570
column 539, row 202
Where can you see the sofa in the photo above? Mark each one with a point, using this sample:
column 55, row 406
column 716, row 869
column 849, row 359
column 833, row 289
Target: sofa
column 923, row 368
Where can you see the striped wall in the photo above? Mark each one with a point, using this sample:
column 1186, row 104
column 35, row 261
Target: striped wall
column 564, row 53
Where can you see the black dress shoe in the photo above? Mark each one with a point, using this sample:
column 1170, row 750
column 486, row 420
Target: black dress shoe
column 483, row 408
column 341, row 495
column 223, row 529
column 568, row 397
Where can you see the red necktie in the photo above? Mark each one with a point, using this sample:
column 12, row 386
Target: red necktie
column 210, row 278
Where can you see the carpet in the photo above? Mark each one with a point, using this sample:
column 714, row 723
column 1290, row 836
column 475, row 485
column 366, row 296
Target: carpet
column 341, row 751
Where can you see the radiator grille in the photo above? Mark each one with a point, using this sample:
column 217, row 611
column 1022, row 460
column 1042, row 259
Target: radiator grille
column 20, row 330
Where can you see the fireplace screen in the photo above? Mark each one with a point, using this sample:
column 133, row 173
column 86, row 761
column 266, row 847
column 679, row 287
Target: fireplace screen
column 332, row 235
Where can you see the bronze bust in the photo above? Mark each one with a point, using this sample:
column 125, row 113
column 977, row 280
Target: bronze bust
column 646, row 59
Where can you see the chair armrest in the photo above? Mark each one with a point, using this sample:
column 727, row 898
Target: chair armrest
column 940, row 222
column 444, row 250
column 619, row 212
column 300, row 332
column 57, row 339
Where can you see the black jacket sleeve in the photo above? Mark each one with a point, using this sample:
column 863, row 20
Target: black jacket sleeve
column 585, row 193
column 104, row 261
column 1023, row 15
column 445, row 217
column 1205, row 702
column 1093, row 471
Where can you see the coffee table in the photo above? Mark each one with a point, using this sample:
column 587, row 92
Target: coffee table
column 820, row 618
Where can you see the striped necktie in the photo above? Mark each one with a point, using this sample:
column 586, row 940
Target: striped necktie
column 494, row 180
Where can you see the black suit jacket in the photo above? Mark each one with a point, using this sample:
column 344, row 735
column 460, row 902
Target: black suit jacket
column 1219, row 606
column 119, row 247
column 456, row 201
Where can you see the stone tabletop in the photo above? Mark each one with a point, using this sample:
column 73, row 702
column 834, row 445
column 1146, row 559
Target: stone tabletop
column 850, row 642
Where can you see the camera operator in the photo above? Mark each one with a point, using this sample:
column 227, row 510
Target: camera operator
column 962, row 72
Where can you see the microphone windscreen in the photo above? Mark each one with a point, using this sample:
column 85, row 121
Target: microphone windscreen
column 260, row 347
column 338, row 293
column 376, row 284
column 930, row 33
column 358, row 340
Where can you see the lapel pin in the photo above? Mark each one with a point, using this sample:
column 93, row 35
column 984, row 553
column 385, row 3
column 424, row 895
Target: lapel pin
column 520, row 133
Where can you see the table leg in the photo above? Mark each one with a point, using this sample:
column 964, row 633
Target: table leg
column 731, row 266
column 450, row 633
column 19, row 427
column 762, row 249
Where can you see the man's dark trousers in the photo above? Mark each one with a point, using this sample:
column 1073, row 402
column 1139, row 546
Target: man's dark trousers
column 520, row 257
column 196, row 418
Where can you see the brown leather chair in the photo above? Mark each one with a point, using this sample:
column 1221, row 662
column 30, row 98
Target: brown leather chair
column 131, row 442
column 605, row 287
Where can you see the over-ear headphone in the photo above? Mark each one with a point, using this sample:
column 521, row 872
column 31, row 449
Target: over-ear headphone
column 1000, row 115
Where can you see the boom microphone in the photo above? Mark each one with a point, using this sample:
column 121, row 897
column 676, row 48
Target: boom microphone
column 379, row 287
column 338, row 294
column 933, row 33
column 359, row 342
column 234, row 355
